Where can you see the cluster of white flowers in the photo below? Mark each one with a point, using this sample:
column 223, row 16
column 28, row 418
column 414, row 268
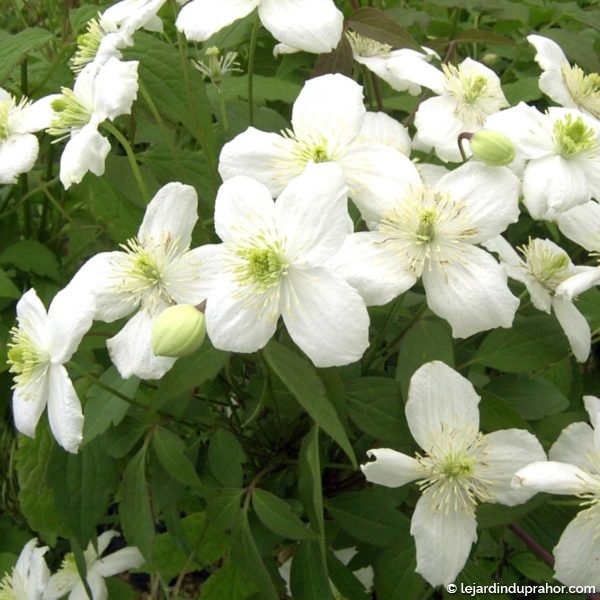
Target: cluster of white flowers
column 30, row 578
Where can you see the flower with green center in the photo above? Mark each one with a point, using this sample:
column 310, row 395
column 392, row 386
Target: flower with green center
column 566, row 84
column 432, row 232
column 29, row 577
column 459, row 469
column 217, row 67
column 558, row 153
column 573, row 469
column 275, row 263
column 98, row 567
column 329, row 124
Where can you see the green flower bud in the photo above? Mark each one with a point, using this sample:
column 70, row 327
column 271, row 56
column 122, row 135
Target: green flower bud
column 492, row 148
column 178, row 331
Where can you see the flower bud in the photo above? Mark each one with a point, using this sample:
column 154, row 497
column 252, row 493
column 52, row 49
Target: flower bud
column 492, row 148
column 178, row 331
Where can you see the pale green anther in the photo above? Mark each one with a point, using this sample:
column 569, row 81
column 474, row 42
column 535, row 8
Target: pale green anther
column 319, row 154
column 5, row 106
column 585, row 89
column 24, row 357
column 474, row 87
column 6, row 589
column 364, row 46
column 87, row 45
column 426, row 229
column 217, row 67
column 264, row 267
column 69, row 113
column 573, row 137
column 455, row 466
column 143, row 266
column 549, row 266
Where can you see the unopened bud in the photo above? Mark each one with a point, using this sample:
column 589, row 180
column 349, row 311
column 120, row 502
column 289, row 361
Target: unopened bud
column 178, row 331
column 492, row 148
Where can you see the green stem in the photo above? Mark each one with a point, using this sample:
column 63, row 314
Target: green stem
column 131, row 157
column 251, row 58
column 223, row 110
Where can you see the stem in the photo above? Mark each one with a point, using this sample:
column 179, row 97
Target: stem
column 377, row 90
column 533, row 545
column 461, row 138
column 223, row 110
column 131, row 157
column 251, row 57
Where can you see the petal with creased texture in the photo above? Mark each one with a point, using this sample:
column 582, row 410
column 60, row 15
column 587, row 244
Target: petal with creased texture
column 391, row 468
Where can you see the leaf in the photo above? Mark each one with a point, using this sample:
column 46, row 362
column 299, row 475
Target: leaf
column 308, row 577
column 344, row 579
column 7, row 288
column 375, row 24
column 223, row 506
column 32, row 257
column 135, row 512
column 484, row 37
column 228, row 583
column 395, row 577
column 277, row 515
column 265, row 89
column 495, row 414
column 300, row 378
column 526, row 89
column 15, row 47
column 532, row 343
column 169, row 450
column 225, row 458
column 340, row 60
column 309, row 483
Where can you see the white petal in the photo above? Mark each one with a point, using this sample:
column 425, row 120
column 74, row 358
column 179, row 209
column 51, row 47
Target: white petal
column 34, row 117
column 85, row 151
column 310, row 25
column 28, row 409
column 380, row 128
column 577, row 554
column 391, row 468
column 472, row 295
column 60, row 584
column 408, row 65
column 115, row 89
column 592, row 405
column 329, row 108
column 243, row 206
column 577, row 284
column 553, row 85
column 18, row 154
column 33, row 319
column 443, row 539
column 119, row 561
column 371, row 266
column 575, row 326
column 312, row 214
column 575, row 446
column 554, row 478
column 171, row 214
column 104, row 540
column 131, row 349
column 440, row 399
column 490, row 196
column 64, row 409
column 549, row 54
column 266, row 157
column 325, row 316
column 582, row 225
column 504, row 453
column 202, row 18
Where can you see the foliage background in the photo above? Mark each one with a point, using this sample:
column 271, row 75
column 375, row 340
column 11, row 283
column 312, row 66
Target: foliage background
column 211, row 470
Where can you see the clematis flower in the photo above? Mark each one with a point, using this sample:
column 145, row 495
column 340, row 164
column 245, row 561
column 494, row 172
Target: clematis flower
column 155, row 270
column 573, row 469
column 562, row 153
column 68, row 581
column 274, row 259
column 309, row 25
column 101, row 92
column 29, row 576
column 467, row 95
column 328, row 121
column 433, row 232
column 18, row 121
column 459, row 468
column 543, row 268
column 567, row 85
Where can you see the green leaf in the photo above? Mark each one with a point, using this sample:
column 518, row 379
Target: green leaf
column 495, row 414
column 344, row 579
column 223, row 506
column 225, row 458
column 266, row 89
column 228, row 583
column 308, row 577
column 340, row 60
column 532, row 397
column 135, row 512
column 375, row 24
column 480, row 36
column 15, row 47
column 277, row 515
column 32, row 257
column 169, row 450
column 7, row 288
column 525, row 89
column 395, row 577
column 300, row 378
column 309, row 482
column 532, row 343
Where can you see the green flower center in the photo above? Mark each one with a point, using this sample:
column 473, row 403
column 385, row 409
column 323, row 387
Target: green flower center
column 6, row 588
column 263, row 267
column 549, row 266
column 585, row 89
column 88, row 44
column 573, row 137
column 455, row 465
column 5, row 106
column 426, row 229
column 69, row 113
column 25, row 359
column 364, row 46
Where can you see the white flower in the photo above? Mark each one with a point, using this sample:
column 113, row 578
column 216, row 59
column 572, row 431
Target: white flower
column 433, row 232
column 37, row 351
column 29, row 576
column 574, row 468
column 67, row 580
column 309, row 25
column 18, row 146
column 565, row 84
column 467, row 95
column 328, row 125
column 101, row 91
column 460, row 468
column 562, row 153
column 155, row 270
column 274, row 263
column 543, row 268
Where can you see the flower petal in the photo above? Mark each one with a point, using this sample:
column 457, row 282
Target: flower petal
column 443, row 539
column 64, row 409
column 472, row 295
column 554, row 478
column 409, row 66
column 18, row 154
column 592, row 405
column 32, row 317
column 548, row 53
column 380, row 128
column 580, row 282
column 575, row 326
column 34, row 117
column 325, row 316
column 115, row 88
column 28, row 408
column 440, row 399
column 119, row 561
column 582, row 225
column 310, row 25
column 575, row 446
column 391, row 468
